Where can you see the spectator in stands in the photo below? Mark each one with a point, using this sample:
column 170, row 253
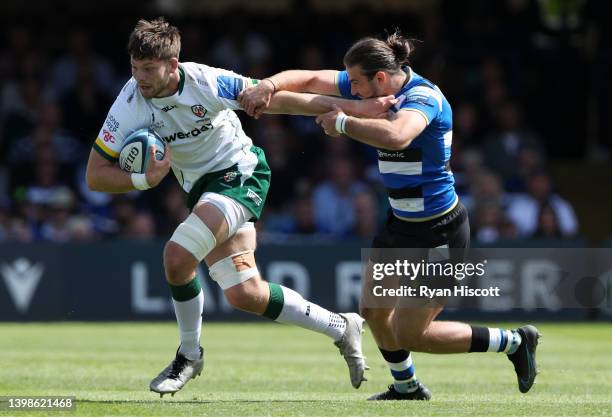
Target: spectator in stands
column 525, row 210
column 65, row 72
column 302, row 219
column 466, row 126
column 20, row 104
column 272, row 135
column 123, row 209
column 491, row 225
column 82, row 229
column 56, row 226
column 483, row 64
column 548, row 225
column 486, row 188
column 333, row 199
column 39, row 191
column 141, row 226
column 85, row 104
column 504, row 147
column 18, row 230
column 174, row 210
column 366, row 215
column 47, row 132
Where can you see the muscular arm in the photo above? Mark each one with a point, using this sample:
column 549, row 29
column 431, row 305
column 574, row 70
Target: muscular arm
column 255, row 101
column 395, row 133
column 285, row 102
column 102, row 175
column 301, row 81
column 105, row 176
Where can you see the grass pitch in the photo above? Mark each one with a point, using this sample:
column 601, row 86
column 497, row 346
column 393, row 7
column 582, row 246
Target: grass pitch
column 275, row 370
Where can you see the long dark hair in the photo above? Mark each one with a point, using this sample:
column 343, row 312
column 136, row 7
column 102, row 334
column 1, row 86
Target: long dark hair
column 375, row 55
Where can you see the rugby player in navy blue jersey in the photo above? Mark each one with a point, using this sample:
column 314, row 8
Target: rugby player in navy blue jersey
column 414, row 149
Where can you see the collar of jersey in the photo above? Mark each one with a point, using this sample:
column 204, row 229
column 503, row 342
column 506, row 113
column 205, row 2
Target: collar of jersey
column 181, row 79
column 406, row 86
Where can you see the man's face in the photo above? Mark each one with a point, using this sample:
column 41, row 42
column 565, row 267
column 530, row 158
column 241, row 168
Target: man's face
column 152, row 75
column 363, row 86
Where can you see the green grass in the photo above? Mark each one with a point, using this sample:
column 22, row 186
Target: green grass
column 275, row 370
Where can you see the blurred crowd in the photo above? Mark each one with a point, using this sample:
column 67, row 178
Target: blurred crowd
column 513, row 71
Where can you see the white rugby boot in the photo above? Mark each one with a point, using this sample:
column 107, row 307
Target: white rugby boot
column 177, row 374
column 350, row 347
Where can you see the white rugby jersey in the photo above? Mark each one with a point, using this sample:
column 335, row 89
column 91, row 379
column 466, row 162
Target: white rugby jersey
column 197, row 122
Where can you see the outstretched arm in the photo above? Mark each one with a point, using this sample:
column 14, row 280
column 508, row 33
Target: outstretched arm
column 256, row 100
column 285, row 102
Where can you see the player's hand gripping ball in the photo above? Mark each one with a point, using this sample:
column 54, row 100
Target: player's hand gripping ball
column 135, row 153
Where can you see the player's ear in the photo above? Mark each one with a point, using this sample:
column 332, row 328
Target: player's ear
column 381, row 77
column 173, row 64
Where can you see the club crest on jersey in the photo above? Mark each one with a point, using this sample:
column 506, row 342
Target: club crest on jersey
column 230, row 176
column 198, row 110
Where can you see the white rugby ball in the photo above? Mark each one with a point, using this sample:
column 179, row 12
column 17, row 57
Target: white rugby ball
column 135, row 155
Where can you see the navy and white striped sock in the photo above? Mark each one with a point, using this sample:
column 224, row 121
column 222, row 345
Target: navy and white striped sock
column 491, row 339
column 402, row 370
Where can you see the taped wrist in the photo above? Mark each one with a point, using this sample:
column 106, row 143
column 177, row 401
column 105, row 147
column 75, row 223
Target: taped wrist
column 140, row 181
column 341, row 123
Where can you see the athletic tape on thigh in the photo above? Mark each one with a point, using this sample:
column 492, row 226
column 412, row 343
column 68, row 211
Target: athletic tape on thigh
column 225, row 274
column 247, row 225
column 195, row 236
column 235, row 213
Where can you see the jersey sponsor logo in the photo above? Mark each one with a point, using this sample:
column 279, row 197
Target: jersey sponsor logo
column 407, row 155
column 253, row 196
column 168, row 108
column 111, row 123
column 199, row 110
column 192, row 134
column 107, row 136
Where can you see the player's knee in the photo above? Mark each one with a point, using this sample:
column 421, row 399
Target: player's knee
column 238, row 276
column 245, row 297
column 366, row 312
column 177, row 262
column 194, row 237
column 373, row 315
column 236, row 296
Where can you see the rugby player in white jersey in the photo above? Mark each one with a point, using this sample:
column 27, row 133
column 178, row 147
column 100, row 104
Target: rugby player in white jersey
column 191, row 106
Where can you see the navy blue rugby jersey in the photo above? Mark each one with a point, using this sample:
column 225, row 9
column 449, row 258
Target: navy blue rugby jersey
column 418, row 178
